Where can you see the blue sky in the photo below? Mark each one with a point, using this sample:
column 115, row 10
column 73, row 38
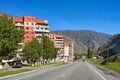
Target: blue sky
column 97, row 15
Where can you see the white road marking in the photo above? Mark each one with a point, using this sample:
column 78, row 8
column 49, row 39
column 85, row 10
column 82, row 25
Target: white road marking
column 97, row 72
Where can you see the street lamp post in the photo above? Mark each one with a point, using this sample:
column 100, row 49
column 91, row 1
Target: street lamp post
column 42, row 49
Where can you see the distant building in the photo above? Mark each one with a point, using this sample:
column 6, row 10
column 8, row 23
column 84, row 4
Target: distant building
column 59, row 44
column 65, row 50
column 68, row 50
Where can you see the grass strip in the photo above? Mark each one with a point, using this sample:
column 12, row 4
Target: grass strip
column 110, row 65
column 113, row 65
column 13, row 72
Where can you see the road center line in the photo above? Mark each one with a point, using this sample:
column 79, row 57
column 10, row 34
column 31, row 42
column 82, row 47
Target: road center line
column 96, row 72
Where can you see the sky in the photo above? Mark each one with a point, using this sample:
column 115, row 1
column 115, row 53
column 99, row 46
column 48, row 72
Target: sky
column 97, row 15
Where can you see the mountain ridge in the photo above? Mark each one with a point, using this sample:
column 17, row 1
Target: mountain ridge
column 84, row 39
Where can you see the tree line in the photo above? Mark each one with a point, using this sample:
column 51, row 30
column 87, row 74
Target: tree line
column 43, row 52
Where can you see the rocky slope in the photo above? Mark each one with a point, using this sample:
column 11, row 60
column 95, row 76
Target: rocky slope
column 112, row 46
column 84, row 39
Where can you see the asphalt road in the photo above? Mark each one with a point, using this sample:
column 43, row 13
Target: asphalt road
column 73, row 71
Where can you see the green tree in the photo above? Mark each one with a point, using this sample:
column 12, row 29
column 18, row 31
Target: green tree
column 89, row 53
column 9, row 37
column 32, row 51
column 49, row 51
column 77, row 56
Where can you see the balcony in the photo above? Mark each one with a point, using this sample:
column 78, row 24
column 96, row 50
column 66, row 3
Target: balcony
column 59, row 39
column 59, row 46
column 39, row 30
column 19, row 24
column 42, row 26
column 38, row 34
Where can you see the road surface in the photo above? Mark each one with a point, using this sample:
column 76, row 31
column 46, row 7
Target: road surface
column 73, row 71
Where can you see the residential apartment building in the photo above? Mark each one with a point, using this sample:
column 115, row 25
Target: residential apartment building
column 65, row 50
column 59, row 44
column 68, row 50
column 32, row 26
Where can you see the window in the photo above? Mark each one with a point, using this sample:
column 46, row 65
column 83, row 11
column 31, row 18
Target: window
column 32, row 28
column 27, row 23
column 46, row 28
column 37, row 27
column 27, row 28
column 32, row 23
column 41, row 28
column 26, row 32
column 32, row 32
column 27, row 37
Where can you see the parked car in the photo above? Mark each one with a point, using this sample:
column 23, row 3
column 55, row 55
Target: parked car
column 17, row 64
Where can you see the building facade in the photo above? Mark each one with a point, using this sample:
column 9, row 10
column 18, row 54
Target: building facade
column 32, row 26
column 65, row 50
column 58, row 43
column 68, row 50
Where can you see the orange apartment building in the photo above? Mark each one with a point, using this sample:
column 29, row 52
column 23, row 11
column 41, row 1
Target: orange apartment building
column 32, row 26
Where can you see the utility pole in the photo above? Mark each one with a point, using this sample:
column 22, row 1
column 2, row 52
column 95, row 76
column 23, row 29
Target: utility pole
column 42, row 48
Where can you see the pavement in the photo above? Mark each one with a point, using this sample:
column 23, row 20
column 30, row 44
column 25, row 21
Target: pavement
column 72, row 71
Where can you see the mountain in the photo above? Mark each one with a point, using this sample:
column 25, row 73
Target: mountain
column 84, row 39
column 111, row 47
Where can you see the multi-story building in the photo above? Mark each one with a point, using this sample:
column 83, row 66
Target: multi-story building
column 32, row 26
column 65, row 50
column 59, row 44
column 68, row 50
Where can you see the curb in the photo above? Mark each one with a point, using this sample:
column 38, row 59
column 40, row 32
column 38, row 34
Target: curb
column 17, row 74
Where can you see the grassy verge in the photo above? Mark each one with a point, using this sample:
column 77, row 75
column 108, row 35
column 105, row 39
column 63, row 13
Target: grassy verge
column 110, row 65
column 113, row 65
column 13, row 72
